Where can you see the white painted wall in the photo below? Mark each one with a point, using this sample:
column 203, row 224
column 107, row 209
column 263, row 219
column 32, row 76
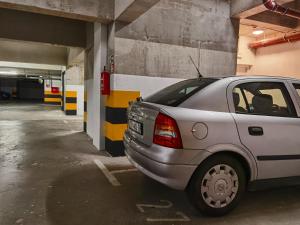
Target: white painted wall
column 246, row 56
column 277, row 60
column 96, row 102
column 146, row 85
column 55, row 83
column 90, row 107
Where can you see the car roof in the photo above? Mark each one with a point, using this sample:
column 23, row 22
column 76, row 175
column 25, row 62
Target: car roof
column 239, row 77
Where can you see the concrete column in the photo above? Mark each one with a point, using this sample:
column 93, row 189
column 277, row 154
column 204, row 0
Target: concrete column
column 74, row 90
column 50, row 97
column 89, row 78
column 98, row 101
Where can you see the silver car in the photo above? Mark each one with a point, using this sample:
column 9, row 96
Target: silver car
column 218, row 137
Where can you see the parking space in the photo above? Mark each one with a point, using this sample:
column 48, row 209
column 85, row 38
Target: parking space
column 147, row 201
column 50, row 174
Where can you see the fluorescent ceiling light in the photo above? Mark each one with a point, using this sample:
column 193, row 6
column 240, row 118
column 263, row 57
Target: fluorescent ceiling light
column 9, row 72
column 258, row 32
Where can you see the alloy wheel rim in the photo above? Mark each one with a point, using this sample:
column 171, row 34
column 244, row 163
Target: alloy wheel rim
column 219, row 186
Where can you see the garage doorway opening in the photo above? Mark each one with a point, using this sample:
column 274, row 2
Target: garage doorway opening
column 41, row 81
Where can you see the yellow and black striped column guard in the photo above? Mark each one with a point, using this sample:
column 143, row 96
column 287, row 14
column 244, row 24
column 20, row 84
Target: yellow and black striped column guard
column 52, row 98
column 71, row 103
column 116, row 120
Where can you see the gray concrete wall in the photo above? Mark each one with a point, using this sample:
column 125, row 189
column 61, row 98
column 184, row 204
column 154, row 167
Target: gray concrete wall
column 160, row 42
column 127, row 11
column 75, row 56
column 121, row 5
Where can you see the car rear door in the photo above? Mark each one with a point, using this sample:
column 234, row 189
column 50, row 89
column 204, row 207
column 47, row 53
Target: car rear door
column 268, row 124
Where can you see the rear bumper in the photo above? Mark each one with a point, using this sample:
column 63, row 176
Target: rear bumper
column 174, row 176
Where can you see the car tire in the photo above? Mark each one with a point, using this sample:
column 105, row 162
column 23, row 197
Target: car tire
column 217, row 185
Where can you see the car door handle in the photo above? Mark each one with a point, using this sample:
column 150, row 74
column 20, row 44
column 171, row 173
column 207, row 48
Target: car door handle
column 256, row 131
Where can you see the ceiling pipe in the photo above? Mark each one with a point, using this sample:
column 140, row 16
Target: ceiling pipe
column 275, row 7
column 275, row 41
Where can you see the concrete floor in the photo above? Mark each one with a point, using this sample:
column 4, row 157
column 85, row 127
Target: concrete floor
column 48, row 176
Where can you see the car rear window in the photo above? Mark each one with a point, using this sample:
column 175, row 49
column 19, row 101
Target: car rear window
column 177, row 93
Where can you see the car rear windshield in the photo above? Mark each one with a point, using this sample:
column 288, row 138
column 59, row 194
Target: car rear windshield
column 176, row 94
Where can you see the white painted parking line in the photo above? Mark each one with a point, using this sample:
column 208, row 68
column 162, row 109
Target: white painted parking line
column 123, row 171
column 111, row 178
column 183, row 218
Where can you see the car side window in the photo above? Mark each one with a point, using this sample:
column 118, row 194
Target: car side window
column 263, row 98
column 239, row 101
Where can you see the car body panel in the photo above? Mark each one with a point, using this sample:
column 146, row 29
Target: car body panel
column 162, row 154
column 279, row 138
column 146, row 115
column 174, row 176
column 218, row 124
column 227, row 131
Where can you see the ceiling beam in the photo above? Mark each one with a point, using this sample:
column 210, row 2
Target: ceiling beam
column 126, row 11
column 278, row 20
column 24, row 26
column 264, row 25
column 90, row 11
column 247, row 8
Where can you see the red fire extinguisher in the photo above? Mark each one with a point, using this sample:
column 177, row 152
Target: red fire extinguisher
column 105, row 82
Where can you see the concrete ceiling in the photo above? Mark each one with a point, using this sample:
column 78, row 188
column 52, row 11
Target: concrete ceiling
column 248, row 26
column 31, row 52
column 247, row 30
column 272, row 23
column 275, row 19
column 34, row 27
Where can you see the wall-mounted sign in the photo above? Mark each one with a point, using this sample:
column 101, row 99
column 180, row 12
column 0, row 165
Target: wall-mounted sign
column 55, row 90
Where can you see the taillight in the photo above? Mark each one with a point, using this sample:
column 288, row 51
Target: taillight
column 166, row 132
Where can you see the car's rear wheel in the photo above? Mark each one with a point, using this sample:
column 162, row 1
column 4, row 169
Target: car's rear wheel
column 218, row 185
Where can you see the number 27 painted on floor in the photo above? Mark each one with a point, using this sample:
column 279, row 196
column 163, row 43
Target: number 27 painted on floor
column 181, row 216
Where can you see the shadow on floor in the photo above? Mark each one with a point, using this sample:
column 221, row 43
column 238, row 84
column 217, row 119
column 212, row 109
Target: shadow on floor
column 84, row 196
